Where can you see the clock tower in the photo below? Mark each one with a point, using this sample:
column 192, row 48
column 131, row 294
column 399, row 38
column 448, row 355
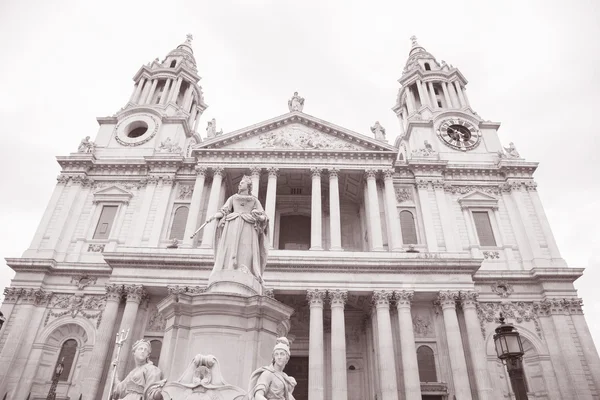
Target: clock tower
column 436, row 117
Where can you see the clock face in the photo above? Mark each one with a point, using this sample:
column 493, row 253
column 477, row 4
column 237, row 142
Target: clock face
column 459, row 134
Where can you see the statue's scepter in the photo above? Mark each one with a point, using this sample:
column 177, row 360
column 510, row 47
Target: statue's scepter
column 201, row 227
column 121, row 338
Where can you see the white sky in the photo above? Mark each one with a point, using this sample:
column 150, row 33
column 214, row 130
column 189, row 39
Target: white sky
column 531, row 65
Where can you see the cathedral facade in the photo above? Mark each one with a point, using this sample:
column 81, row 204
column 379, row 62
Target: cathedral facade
column 393, row 260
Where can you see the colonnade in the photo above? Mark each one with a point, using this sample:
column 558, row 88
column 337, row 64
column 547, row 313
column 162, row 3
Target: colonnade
column 316, row 237
column 384, row 342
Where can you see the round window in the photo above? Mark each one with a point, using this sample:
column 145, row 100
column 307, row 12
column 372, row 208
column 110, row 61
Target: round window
column 137, row 129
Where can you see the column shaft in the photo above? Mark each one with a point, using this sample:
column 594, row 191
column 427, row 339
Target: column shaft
column 432, row 94
column 151, row 92
column 334, row 211
column 458, row 363
column 373, row 211
column 460, row 94
column 213, row 206
column 255, row 174
column 447, row 95
column 393, row 219
column 139, row 90
column 164, row 96
column 316, row 239
column 387, row 362
column 316, row 368
column 134, row 294
column 410, row 366
column 422, row 94
column 194, row 214
column 270, row 202
column 175, row 90
column 476, row 346
column 104, row 338
column 464, row 93
column 410, row 101
column 339, row 379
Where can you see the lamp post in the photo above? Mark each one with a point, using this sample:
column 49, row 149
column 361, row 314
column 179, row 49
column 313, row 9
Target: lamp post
column 57, row 372
column 510, row 350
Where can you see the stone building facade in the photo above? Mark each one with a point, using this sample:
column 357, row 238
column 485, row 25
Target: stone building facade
column 397, row 259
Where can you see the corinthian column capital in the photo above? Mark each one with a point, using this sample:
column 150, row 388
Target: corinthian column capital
column 403, row 298
column 134, row 293
column 315, row 297
column 447, row 299
column 381, row 298
column 468, row 298
column 338, row 297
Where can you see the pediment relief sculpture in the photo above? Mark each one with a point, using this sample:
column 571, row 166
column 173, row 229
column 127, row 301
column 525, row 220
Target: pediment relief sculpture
column 302, row 139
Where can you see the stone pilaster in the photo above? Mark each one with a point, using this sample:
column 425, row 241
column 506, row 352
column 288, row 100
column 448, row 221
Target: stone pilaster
column 166, row 184
column 393, row 220
column 585, row 338
column 387, row 363
column 476, row 345
column 339, row 379
column 271, row 201
column 316, row 235
column 193, row 216
column 447, row 300
column 423, row 191
column 316, row 363
column 410, row 366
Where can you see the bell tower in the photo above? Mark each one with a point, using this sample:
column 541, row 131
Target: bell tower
column 163, row 111
column 435, row 115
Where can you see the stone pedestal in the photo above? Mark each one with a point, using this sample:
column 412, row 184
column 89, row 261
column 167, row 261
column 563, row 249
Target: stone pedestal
column 234, row 282
column 240, row 330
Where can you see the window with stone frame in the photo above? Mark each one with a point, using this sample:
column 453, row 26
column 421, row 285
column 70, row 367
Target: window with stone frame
column 178, row 222
column 67, row 354
column 105, row 222
column 156, row 349
column 408, row 227
column 483, row 227
column 426, row 364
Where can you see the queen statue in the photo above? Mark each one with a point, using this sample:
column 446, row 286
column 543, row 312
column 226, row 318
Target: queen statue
column 270, row 382
column 241, row 238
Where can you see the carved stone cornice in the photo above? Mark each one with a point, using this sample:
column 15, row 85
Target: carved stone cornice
column 556, row 306
column 134, row 293
column 447, row 299
column 455, row 188
column 114, row 292
column 371, row 173
column 12, row 294
column 468, row 299
column 337, row 297
column 315, row 297
column 382, row 298
column 28, row 296
column 403, row 298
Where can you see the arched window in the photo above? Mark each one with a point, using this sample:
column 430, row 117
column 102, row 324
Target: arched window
column 426, row 362
column 427, row 67
column 173, row 63
column 179, row 221
column 409, row 229
column 68, row 351
column 156, row 349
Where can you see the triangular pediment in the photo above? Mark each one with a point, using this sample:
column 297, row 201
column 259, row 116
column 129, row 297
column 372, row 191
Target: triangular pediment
column 478, row 199
column 295, row 131
column 112, row 194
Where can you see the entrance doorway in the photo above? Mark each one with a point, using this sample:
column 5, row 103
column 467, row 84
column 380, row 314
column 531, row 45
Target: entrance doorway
column 298, row 368
column 294, row 232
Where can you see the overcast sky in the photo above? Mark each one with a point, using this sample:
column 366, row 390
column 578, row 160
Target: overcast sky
column 533, row 66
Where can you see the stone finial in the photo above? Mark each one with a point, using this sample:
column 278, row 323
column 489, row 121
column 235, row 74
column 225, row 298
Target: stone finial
column 188, row 38
column 413, row 39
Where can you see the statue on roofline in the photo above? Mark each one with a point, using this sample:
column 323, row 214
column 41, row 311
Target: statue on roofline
column 296, row 103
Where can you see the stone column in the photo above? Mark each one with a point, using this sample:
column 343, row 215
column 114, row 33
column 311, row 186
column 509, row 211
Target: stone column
column 148, row 99
column 193, row 112
column 459, row 92
column 464, row 93
column 197, row 121
column 446, row 94
column 212, row 207
column 531, row 188
column 476, row 345
column 104, row 337
column 387, row 363
column 410, row 366
column 447, row 301
column 339, row 379
column 453, row 95
column 316, row 239
column 393, row 219
column 255, row 175
column 271, row 201
column 194, row 214
column 134, row 295
column 448, row 224
column 429, row 227
column 316, row 367
column 432, row 94
column 138, row 90
column 175, row 90
column 410, row 101
column 187, row 98
column 335, row 226
column 373, row 211
column 422, row 94
column 166, row 184
column 164, row 96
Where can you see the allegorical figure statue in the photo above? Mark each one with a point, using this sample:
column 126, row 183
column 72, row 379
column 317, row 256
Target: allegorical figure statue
column 270, row 382
column 296, row 103
column 136, row 384
column 86, row 145
column 511, row 150
column 241, row 239
column 378, row 131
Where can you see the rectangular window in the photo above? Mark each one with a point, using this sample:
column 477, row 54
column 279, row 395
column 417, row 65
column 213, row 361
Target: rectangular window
column 107, row 217
column 484, row 228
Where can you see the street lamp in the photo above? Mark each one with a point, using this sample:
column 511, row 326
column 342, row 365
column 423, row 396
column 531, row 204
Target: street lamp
column 57, row 372
column 2, row 319
column 510, row 350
